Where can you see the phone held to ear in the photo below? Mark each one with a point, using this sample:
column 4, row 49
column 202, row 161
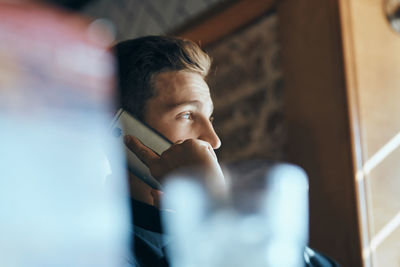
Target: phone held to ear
column 126, row 124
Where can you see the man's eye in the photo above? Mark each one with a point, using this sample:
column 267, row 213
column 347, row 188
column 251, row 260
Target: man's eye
column 186, row 116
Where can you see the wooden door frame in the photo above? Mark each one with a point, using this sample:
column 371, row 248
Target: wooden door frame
column 207, row 27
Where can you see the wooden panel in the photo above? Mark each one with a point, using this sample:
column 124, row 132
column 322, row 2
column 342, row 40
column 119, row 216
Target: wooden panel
column 319, row 127
column 384, row 192
column 387, row 254
column 377, row 59
column 373, row 71
column 211, row 28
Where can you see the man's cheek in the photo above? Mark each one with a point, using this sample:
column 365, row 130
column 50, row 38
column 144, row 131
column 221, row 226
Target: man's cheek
column 166, row 128
column 179, row 133
column 172, row 133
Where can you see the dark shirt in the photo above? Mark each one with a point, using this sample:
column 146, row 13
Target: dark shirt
column 149, row 240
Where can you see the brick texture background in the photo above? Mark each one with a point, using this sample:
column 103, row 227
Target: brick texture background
column 246, row 85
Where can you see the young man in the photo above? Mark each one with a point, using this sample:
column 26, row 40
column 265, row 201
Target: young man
column 162, row 82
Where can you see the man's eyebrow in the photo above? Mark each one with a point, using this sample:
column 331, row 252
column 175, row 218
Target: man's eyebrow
column 196, row 103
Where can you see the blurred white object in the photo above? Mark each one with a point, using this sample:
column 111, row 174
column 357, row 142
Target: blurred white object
column 56, row 206
column 265, row 223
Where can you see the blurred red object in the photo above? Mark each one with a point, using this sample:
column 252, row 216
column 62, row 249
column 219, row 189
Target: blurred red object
column 50, row 58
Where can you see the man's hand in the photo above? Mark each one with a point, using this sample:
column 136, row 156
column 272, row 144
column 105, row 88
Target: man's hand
column 182, row 154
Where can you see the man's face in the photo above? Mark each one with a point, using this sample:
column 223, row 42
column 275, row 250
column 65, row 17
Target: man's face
column 182, row 108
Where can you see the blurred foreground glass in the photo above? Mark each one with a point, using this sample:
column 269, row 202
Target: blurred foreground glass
column 263, row 223
column 57, row 207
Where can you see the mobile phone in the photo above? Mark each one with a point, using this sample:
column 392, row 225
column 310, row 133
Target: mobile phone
column 125, row 123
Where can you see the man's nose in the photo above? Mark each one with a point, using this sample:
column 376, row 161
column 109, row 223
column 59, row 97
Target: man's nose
column 209, row 135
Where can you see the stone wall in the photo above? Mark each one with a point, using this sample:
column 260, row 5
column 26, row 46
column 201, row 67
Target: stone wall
column 246, row 85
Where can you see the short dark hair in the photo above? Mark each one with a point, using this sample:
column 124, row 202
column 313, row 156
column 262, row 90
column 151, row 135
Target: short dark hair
column 139, row 60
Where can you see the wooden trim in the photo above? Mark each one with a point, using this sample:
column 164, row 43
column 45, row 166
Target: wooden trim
column 316, row 108
column 233, row 16
column 357, row 151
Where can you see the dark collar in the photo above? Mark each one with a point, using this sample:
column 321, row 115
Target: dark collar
column 146, row 216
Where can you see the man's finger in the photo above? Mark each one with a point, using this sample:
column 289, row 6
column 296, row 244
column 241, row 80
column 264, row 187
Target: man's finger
column 145, row 154
column 209, row 147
